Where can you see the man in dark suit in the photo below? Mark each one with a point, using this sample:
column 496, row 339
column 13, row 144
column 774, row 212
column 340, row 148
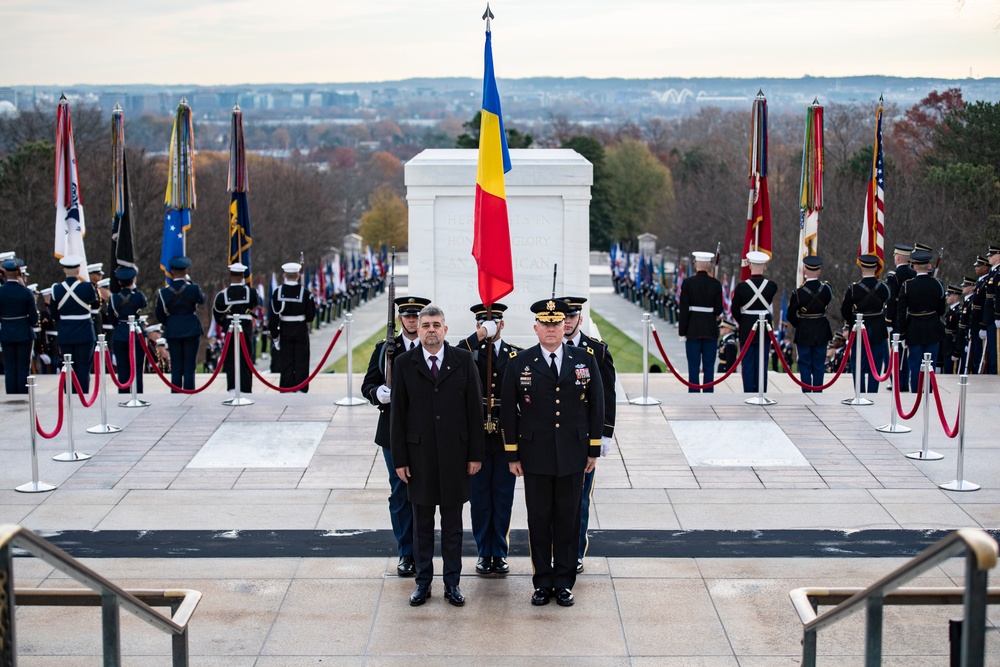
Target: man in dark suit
column 292, row 309
column 437, row 443
column 18, row 319
column 698, row 322
column 493, row 487
column 867, row 298
column 807, row 313
column 920, row 306
column 751, row 299
column 378, row 393
column 128, row 301
column 551, row 416
column 237, row 299
column 74, row 299
column 175, row 309
column 573, row 336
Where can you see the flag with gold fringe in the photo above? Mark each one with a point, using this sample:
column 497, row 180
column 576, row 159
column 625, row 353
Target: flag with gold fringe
column 240, row 239
column 180, row 199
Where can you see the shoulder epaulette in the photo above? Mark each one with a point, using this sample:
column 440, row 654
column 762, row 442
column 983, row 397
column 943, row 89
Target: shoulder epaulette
column 513, row 354
column 590, row 350
column 514, row 347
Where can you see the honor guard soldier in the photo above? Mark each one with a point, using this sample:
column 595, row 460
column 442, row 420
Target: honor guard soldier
column 698, row 322
column 807, row 313
column 95, row 272
column 292, row 309
column 128, row 302
column 374, row 388
column 919, row 309
column 991, row 313
column 868, row 298
column 574, row 337
column 18, row 319
column 552, row 417
column 175, row 309
column 964, row 324
column 104, row 294
column 48, row 347
column 751, row 299
column 952, row 346
column 74, row 320
column 835, row 352
column 493, row 486
column 729, row 346
column 237, row 299
column 977, row 331
column 894, row 281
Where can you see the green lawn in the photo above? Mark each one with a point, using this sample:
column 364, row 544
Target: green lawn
column 362, row 353
column 626, row 352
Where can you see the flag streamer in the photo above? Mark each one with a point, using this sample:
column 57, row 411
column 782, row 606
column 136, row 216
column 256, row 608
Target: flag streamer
column 180, row 197
column 758, row 232
column 810, row 187
column 122, row 244
column 873, row 227
column 240, row 238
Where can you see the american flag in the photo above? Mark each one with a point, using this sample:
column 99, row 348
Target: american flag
column 873, row 230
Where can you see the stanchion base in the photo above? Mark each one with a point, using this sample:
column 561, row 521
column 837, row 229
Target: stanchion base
column 920, row 456
column 956, row 485
column 758, row 400
column 42, row 487
column 889, row 428
column 857, row 401
column 137, row 403
column 350, row 400
column 644, row 400
column 71, row 456
column 242, row 400
column 104, row 428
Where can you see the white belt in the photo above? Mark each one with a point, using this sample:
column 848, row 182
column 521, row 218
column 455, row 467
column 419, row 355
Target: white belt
column 108, row 326
column 293, row 318
column 51, row 333
column 74, row 317
column 18, row 317
column 701, row 309
column 755, row 312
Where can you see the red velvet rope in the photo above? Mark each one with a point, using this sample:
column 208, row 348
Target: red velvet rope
column 173, row 387
column 895, row 389
column 97, row 384
column 871, row 360
column 729, row 371
column 113, row 371
column 840, row 370
column 949, row 431
column 253, row 369
column 59, row 421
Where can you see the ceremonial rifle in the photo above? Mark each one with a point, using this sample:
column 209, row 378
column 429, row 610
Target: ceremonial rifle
column 718, row 253
column 555, row 268
column 389, row 349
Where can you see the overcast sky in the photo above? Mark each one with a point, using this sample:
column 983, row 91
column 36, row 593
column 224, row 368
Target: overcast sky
column 64, row 42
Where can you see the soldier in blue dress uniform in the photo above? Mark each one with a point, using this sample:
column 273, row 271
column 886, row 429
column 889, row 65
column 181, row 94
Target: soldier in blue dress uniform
column 868, row 298
column 129, row 301
column 176, row 307
column 75, row 299
column 18, row 319
column 919, row 309
column 807, row 313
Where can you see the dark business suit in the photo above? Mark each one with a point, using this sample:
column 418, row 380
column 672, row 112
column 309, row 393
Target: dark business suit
column 920, row 306
column 128, row 302
column 237, row 300
column 18, row 319
column 552, row 425
column 867, row 298
column 436, row 430
column 807, row 313
column 175, row 309
column 74, row 299
column 701, row 305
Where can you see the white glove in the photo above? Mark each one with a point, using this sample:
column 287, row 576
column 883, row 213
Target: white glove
column 996, row 323
column 46, row 359
column 490, row 327
column 383, row 394
column 889, row 329
column 605, row 445
column 276, row 343
column 982, row 335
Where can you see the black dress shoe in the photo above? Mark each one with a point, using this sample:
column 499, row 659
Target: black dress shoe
column 564, row 597
column 579, row 565
column 483, row 566
column 406, row 567
column 500, row 566
column 453, row 594
column 420, row 595
column 541, row 596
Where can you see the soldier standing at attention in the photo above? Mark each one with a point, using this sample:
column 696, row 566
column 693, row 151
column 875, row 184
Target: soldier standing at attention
column 991, row 313
column 952, row 345
column 807, row 313
column 292, row 309
column 127, row 302
column 894, row 281
column 493, row 486
column 751, row 299
column 552, row 415
column 700, row 308
column 574, row 337
column 728, row 346
column 374, row 388
column 868, row 297
column 175, row 309
column 74, row 299
column 237, row 299
column 920, row 306
column 18, row 319
column 975, row 315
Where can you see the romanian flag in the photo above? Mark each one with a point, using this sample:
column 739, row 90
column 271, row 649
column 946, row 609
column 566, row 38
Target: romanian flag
column 491, row 243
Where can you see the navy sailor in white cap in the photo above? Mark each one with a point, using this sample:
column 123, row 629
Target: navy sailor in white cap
column 292, row 309
column 237, row 299
column 74, row 301
column 18, row 319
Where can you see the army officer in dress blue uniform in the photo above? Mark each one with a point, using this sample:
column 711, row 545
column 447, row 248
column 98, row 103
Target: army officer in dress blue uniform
column 175, row 309
column 493, row 486
column 807, row 313
column 128, row 302
column 74, row 299
column 18, row 319
column 919, row 308
column 551, row 417
column 867, row 298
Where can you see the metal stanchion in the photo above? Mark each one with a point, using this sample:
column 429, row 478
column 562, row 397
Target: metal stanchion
column 135, row 401
column 72, row 454
column 645, row 399
column 858, row 345
column 104, row 426
column 760, row 399
column 925, row 454
column 893, row 426
column 34, row 486
column 959, row 483
column 237, row 330
column 350, row 399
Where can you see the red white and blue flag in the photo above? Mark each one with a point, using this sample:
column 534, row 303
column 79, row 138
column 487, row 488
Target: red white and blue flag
column 873, row 229
column 70, row 224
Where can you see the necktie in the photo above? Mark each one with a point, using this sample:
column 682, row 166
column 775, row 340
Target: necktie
column 570, row 343
column 434, row 365
column 552, row 364
column 412, row 344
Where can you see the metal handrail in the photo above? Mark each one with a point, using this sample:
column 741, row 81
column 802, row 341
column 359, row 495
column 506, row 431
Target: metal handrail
column 182, row 601
column 981, row 556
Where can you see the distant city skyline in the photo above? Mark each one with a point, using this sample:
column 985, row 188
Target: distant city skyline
column 224, row 42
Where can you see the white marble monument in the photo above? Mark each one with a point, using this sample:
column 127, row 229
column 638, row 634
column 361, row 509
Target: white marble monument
column 548, row 203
